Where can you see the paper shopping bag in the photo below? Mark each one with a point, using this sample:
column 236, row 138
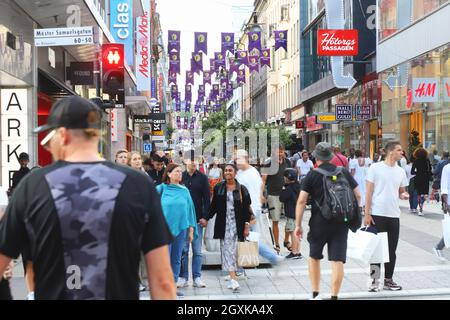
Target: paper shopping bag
column 381, row 252
column 446, row 230
column 361, row 245
column 247, row 254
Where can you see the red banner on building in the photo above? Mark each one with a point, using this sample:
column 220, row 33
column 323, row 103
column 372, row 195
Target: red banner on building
column 311, row 124
column 337, row 42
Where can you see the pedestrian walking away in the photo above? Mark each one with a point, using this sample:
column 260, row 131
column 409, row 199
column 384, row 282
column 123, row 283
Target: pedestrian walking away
column 326, row 228
column 386, row 182
column 86, row 213
column 424, row 176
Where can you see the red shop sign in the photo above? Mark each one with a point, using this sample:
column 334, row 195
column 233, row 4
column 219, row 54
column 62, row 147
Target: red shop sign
column 311, row 124
column 299, row 124
column 337, row 42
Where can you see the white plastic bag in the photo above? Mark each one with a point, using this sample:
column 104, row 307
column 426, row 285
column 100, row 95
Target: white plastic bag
column 446, row 230
column 361, row 245
column 381, row 252
column 211, row 244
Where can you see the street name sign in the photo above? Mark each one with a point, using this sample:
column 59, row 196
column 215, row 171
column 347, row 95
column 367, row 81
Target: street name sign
column 63, row 36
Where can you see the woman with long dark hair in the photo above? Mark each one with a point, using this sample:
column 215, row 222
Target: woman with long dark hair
column 422, row 169
column 179, row 211
column 231, row 202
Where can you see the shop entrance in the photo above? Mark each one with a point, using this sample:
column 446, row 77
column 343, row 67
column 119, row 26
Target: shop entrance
column 416, row 123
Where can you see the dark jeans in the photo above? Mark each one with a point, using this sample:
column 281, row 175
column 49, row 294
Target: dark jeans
column 441, row 244
column 413, row 198
column 392, row 227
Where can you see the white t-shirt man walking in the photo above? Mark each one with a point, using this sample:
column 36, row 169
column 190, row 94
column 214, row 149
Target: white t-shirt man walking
column 304, row 165
column 385, row 185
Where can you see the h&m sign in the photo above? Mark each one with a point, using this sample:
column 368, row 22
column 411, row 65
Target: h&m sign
column 14, row 129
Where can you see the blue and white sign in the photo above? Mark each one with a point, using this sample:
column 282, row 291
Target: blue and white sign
column 121, row 26
column 147, row 147
column 344, row 112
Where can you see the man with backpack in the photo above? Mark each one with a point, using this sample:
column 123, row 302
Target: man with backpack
column 335, row 210
column 385, row 185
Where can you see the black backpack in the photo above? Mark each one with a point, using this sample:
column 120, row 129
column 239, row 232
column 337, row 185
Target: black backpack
column 339, row 202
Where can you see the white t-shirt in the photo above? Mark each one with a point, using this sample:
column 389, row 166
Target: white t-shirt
column 304, row 167
column 387, row 181
column 251, row 179
column 408, row 168
column 445, row 182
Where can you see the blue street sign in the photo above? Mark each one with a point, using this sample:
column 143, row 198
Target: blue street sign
column 147, row 147
column 344, row 112
column 121, row 26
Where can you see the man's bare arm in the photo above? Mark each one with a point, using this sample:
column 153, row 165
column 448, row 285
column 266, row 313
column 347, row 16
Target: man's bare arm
column 159, row 273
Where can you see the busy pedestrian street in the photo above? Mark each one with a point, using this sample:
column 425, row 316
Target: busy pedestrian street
column 214, row 151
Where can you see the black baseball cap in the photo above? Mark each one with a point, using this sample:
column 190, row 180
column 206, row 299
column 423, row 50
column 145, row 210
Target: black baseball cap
column 73, row 112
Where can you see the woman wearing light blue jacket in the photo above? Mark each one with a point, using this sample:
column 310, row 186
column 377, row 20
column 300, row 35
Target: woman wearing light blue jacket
column 179, row 211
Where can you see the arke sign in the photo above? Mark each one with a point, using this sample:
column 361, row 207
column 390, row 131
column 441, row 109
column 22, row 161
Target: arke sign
column 14, row 129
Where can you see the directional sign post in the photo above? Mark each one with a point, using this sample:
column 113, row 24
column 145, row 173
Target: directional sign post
column 363, row 112
column 344, row 112
column 147, row 147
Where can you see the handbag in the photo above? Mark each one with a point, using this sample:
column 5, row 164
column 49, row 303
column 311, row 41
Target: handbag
column 361, row 245
column 248, row 254
column 381, row 252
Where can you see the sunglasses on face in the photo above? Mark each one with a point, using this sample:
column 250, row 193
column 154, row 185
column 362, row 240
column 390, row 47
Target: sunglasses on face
column 47, row 139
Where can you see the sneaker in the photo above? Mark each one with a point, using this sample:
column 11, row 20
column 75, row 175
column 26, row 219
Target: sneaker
column 316, row 298
column 438, row 254
column 294, row 256
column 30, row 296
column 182, row 283
column 374, row 285
column 198, row 283
column 233, row 285
column 142, row 287
column 180, row 294
column 389, row 284
column 420, row 213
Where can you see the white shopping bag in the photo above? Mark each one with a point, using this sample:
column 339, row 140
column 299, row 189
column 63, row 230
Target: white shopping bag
column 446, row 230
column 381, row 252
column 253, row 236
column 361, row 245
column 211, row 244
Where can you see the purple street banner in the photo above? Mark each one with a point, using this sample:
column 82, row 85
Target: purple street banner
column 201, row 42
column 174, row 91
column 179, row 122
column 253, row 63
column 196, row 62
column 188, row 92
column 178, row 105
column 254, row 41
column 229, row 90
column 189, row 77
column 174, row 62
column 185, row 123
column 224, row 81
column 212, row 66
column 192, row 122
column 241, row 76
column 219, row 60
column 264, row 59
column 197, row 106
column 206, row 77
column 227, row 42
column 201, row 92
column 242, row 57
column 174, row 41
column 234, row 65
column 172, row 78
column 214, row 91
column 187, row 106
column 280, row 39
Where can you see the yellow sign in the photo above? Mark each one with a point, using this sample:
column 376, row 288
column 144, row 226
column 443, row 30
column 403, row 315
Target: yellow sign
column 158, row 133
column 326, row 118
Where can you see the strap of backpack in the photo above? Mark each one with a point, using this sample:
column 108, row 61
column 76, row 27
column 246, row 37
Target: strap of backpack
column 329, row 174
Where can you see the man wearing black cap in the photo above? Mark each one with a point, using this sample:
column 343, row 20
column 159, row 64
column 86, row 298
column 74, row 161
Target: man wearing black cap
column 24, row 160
column 324, row 231
column 85, row 219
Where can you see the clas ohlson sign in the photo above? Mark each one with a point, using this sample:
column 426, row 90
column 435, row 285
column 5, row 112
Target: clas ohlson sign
column 121, row 26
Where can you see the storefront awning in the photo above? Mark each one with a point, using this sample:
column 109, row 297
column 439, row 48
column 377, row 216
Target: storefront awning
column 52, row 87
